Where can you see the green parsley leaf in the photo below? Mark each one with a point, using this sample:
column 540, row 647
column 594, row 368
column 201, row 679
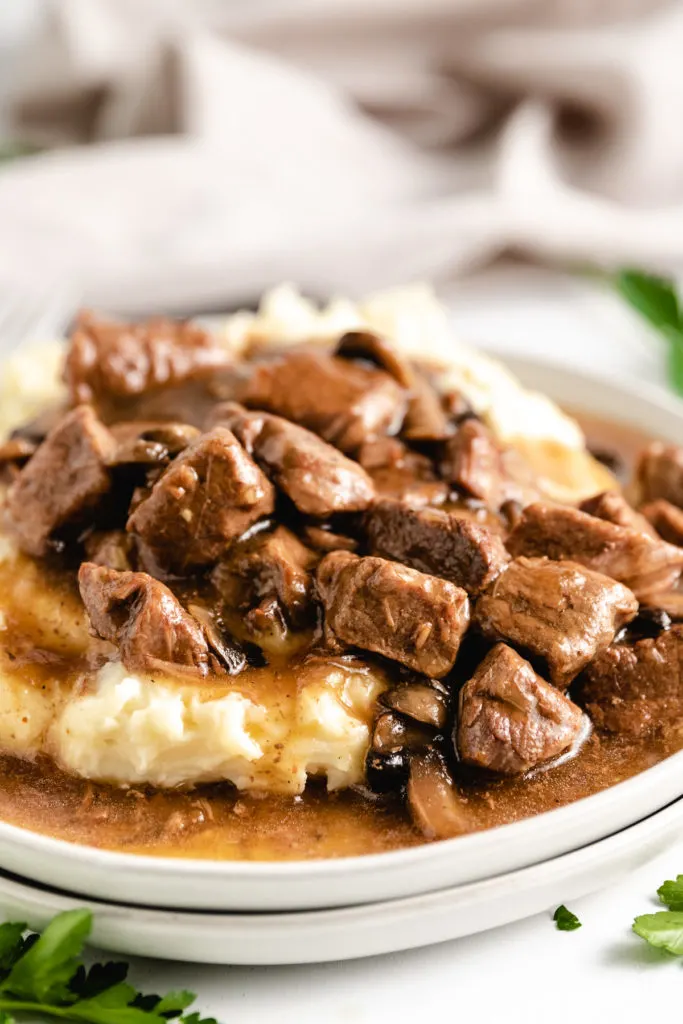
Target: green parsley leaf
column 565, row 920
column 43, row 973
column 671, row 893
column 663, row 930
column 654, row 297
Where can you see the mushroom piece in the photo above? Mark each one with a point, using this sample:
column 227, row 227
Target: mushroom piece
column 150, row 442
column 386, row 772
column 228, row 652
column 393, row 733
column 434, row 803
column 17, row 450
column 420, row 701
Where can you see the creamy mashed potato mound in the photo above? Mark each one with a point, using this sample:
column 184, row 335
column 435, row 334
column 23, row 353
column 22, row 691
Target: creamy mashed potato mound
column 129, row 729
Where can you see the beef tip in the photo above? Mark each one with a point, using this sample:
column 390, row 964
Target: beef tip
column 472, row 463
column 64, row 481
column 141, row 616
column 635, row 689
column 511, row 720
column 150, row 442
column 323, row 539
column 209, row 495
column 613, row 508
column 114, row 549
column 270, row 564
column 436, row 542
column 316, row 477
column 666, row 519
column 110, row 360
column 643, row 564
column 343, row 402
column 402, row 474
column 558, row 611
column 659, row 473
column 379, row 606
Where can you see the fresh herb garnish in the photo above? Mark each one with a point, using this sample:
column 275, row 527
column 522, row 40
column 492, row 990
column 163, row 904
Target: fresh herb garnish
column 671, row 893
column 42, row 976
column 656, row 300
column 663, row 930
column 565, row 920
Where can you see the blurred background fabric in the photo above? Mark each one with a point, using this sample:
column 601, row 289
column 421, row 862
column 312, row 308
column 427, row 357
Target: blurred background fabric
column 195, row 152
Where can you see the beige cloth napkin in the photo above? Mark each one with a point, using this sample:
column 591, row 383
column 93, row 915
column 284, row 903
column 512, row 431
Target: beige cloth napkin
column 343, row 144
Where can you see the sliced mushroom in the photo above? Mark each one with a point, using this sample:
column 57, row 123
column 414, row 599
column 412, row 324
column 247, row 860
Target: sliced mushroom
column 323, row 539
column 392, row 733
column 17, row 450
column 150, row 442
column 386, row 772
column 374, row 348
column 419, row 701
column 228, row 652
column 435, row 805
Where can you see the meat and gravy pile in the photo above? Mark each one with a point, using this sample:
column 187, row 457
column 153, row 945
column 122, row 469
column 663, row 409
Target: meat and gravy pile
column 323, row 560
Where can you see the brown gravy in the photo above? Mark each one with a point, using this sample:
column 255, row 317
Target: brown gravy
column 214, row 822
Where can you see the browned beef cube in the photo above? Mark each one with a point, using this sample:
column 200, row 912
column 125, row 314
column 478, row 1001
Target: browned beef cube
column 314, row 475
column 436, row 542
column 613, row 508
column 110, row 360
column 64, row 481
column 635, row 689
column 405, row 615
column 402, row 474
column 509, row 719
column 343, row 402
column 643, row 563
column 473, row 463
column 271, row 564
column 144, row 620
column 659, row 473
column 207, row 498
column 559, row 611
column 666, row 519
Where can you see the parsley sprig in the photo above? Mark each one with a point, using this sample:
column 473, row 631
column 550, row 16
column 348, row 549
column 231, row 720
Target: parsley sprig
column 43, row 977
column 565, row 920
column 656, row 299
column 664, row 929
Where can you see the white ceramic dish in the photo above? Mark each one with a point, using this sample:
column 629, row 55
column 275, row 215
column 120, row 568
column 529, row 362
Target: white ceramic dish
column 206, row 885
column 344, row 934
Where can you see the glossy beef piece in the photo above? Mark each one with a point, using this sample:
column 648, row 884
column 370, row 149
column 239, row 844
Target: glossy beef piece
column 63, row 483
column 344, row 402
column 402, row 474
column 379, row 606
column 207, row 498
column 558, row 611
column 141, row 616
column 273, row 563
column 636, row 689
column 322, row 539
column 613, row 508
column 110, row 360
column 472, row 463
column 509, row 719
column 317, row 478
column 114, row 549
column 436, row 542
column 644, row 564
column 665, row 519
column 659, row 473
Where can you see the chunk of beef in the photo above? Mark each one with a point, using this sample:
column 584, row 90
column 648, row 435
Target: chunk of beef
column 326, row 540
column 402, row 474
column 635, row 689
column 436, row 542
column 112, row 548
column 144, row 620
column 558, row 611
column 316, row 477
column 642, row 563
column 207, row 498
column 343, row 402
column 426, row 419
column 63, row 482
column 666, row 519
column 473, row 463
column 511, row 720
column 405, row 615
column 270, row 564
column 659, row 473
column 115, row 360
column 613, row 508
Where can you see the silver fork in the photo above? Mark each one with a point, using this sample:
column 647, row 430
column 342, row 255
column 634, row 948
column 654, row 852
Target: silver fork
column 34, row 316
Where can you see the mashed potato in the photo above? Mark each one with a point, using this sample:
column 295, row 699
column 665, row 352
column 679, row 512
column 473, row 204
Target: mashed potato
column 128, row 729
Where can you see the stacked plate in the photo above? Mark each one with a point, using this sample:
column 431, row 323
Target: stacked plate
column 267, row 913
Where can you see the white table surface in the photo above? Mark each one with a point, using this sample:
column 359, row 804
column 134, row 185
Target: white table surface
column 527, row 972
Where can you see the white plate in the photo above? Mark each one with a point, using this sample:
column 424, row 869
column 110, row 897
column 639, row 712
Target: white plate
column 207, row 885
column 316, row 936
